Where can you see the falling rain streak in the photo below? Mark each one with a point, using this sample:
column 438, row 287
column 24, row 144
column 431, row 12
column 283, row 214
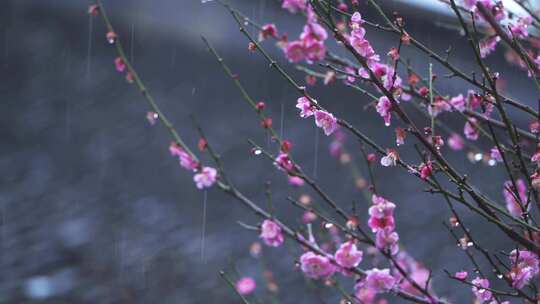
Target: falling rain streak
column 316, row 153
column 203, row 234
column 89, row 52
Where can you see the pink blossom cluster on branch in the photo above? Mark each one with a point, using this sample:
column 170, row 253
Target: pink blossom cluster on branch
column 364, row 250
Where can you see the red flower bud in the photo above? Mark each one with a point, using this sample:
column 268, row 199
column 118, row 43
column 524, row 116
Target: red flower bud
column 286, row 146
column 266, row 123
column 260, row 105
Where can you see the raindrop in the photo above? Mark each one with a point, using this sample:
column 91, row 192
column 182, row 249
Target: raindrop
column 256, row 151
column 492, row 162
column 500, row 276
column 478, row 157
column 469, row 244
column 328, row 225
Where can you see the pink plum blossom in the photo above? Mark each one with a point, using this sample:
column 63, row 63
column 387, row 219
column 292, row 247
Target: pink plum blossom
column 314, row 50
column 356, row 20
column 524, row 266
column 520, row 28
column 205, row 178
column 350, row 71
column 186, row 160
column 294, row 5
column 510, row 195
column 326, row 121
column 458, row 103
column 310, row 45
column 308, row 217
column 271, row 233
column 488, row 45
column 455, row 142
column 316, row 266
column 336, row 146
column 536, row 156
column 268, row 30
column 387, row 239
column 438, row 106
column 381, row 214
column 348, row 256
column 496, row 154
column 480, row 291
column 379, row 280
column 383, row 108
column 245, row 286
column 534, row 127
column 295, row 181
column 471, row 129
column 306, row 109
column 283, row 162
column 294, row 51
column 535, row 180
column 425, row 169
column 119, row 64
column 469, row 4
column 461, row 275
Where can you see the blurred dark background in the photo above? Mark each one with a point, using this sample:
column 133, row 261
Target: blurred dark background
column 95, row 210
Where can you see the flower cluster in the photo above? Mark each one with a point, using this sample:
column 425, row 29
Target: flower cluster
column 294, row 6
column 415, row 272
column 316, row 266
column 382, row 223
column 479, row 290
column 204, row 177
column 524, row 266
column 515, row 199
column 325, row 120
column 340, row 253
column 310, row 45
column 383, row 72
column 271, row 233
column 348, row 256
column 246, row 286
column 376, row 281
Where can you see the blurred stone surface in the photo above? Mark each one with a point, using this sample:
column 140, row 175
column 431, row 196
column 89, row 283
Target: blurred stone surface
column 93, row 208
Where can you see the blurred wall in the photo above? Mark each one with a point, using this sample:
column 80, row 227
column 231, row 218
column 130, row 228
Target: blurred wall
column 93, row 208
